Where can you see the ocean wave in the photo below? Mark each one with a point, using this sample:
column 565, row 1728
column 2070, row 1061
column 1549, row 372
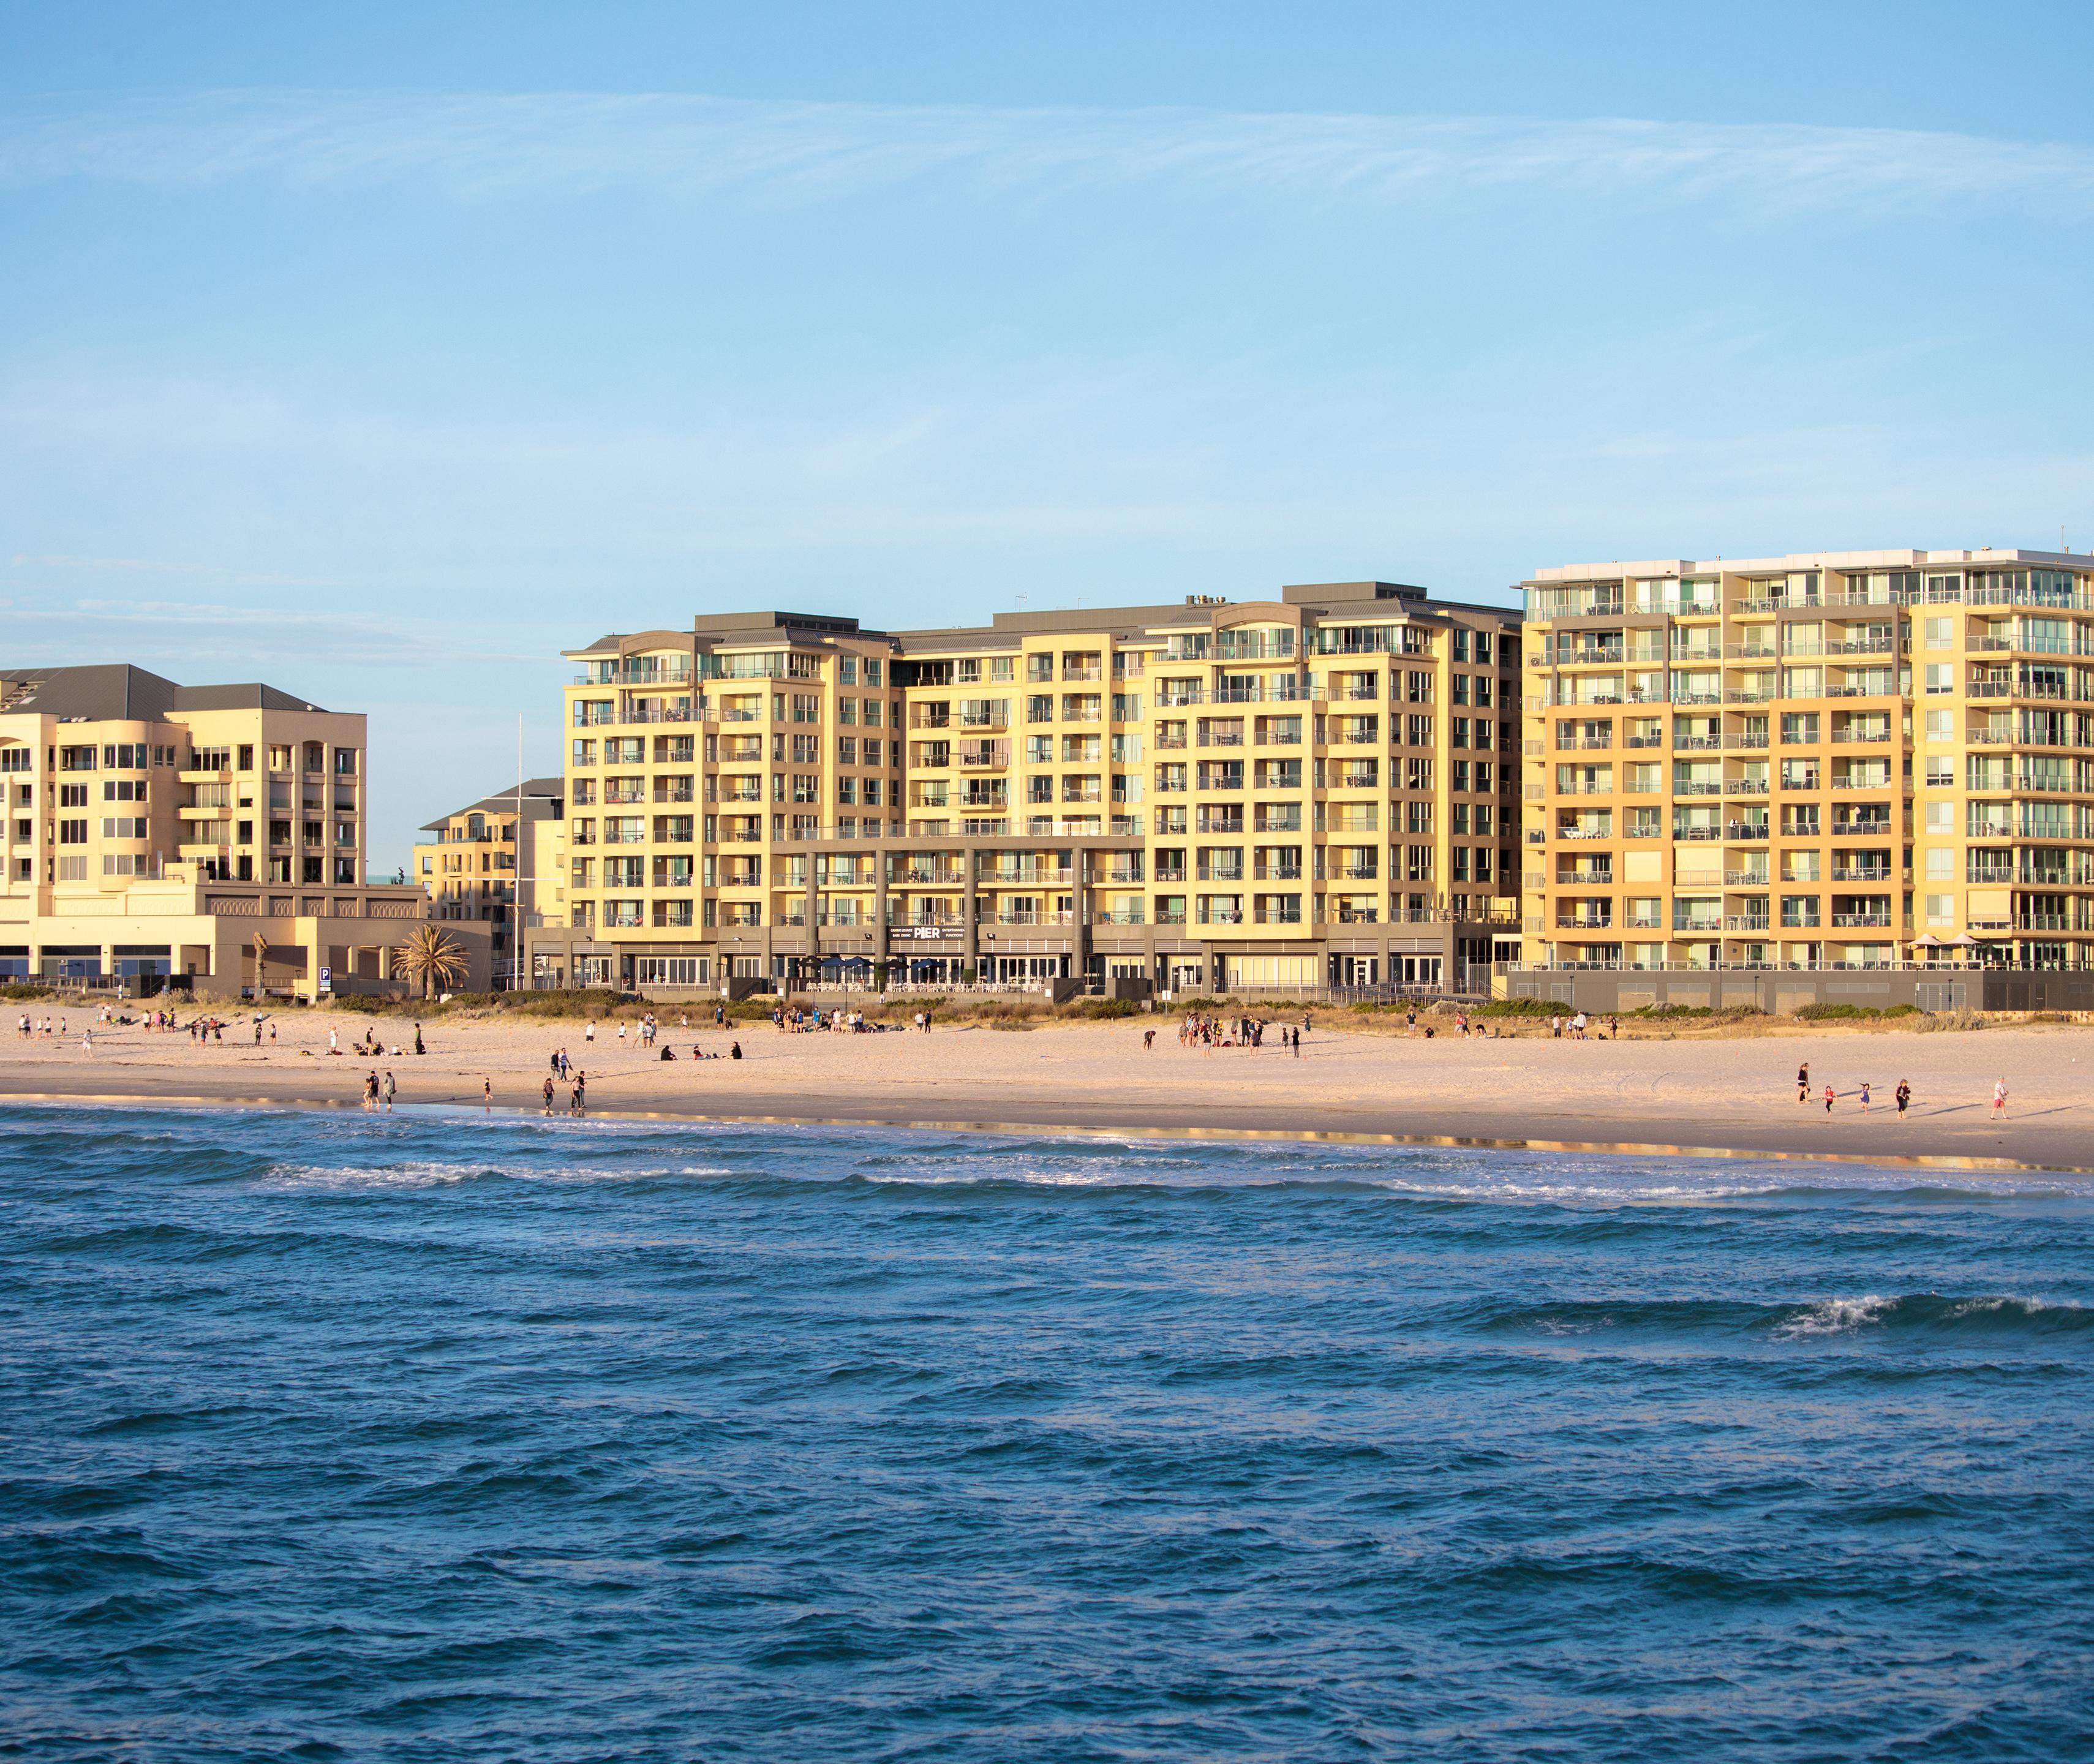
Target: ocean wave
column 1851, row 1317
column 430, row 1173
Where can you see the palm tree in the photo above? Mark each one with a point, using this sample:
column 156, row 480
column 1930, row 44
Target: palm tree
column 432, row 955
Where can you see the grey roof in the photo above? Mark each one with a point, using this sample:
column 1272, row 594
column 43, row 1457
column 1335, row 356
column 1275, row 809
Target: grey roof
column 537, row 791
column 122, row 692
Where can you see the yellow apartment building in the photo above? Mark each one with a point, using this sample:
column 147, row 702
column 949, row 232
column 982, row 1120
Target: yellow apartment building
column 1867, row 775
column 210, row 836
column 1315, row 791
column 472, row 872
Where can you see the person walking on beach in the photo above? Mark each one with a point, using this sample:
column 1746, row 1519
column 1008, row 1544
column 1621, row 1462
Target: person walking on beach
column 1904, row 1097
column 1803, row 1082
column 334, row 1040
column 2000, row 1101
column 1865, row 1096
column 1149, row 1041
column 487, row 1094
column 547, row 1109
column 1829, row 1094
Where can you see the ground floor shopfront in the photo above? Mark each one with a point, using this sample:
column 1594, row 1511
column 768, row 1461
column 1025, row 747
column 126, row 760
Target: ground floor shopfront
column 223, row 942
column 1783, row 991
column 1444, row 954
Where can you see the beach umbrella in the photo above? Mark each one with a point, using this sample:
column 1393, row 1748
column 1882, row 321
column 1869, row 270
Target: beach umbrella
column 1928, row 941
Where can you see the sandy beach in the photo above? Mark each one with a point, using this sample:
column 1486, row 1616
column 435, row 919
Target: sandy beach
column 1722, row 1097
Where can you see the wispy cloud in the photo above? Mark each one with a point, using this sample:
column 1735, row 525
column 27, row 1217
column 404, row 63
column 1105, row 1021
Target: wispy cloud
column 481, row 145
column 101, row 630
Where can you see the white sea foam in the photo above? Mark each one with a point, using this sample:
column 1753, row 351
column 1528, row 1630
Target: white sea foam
column 420, row 1174
column 1834, row 1317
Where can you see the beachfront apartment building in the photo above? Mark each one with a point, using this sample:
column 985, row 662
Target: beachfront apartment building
column 1319, row 789
column 1826, row 764
column 499, row 862
column 213, row 835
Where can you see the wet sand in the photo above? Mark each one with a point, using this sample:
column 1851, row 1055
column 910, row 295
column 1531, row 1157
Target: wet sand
column 1734, row 1098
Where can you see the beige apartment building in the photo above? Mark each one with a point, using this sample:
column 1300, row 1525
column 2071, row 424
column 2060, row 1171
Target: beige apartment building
column 499, row 863
column 1859, row 775
column 213, row 836
column 1316, row 791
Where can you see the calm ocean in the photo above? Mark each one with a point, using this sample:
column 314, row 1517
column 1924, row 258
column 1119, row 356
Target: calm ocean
column 440, row 1438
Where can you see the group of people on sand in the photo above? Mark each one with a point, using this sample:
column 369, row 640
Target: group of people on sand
column 1199, row 1031
column 1902, row 1095
column 805, row 1019
column 1579, row 1028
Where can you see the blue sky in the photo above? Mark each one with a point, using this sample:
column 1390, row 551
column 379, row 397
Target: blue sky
column 383, row 352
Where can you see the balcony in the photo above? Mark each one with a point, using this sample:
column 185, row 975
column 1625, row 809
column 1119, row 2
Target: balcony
column 1745, row 787
column 1870, row 873
column 1749, row 925
column 1751, row 832
column 1861, row 921
column 1744, row 879
column 1275, row 872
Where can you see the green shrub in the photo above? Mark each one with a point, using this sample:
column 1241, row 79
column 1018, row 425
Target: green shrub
column 1521, row 1007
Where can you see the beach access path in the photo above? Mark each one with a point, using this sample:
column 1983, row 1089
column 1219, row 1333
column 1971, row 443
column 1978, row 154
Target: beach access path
column 1715, row 1095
